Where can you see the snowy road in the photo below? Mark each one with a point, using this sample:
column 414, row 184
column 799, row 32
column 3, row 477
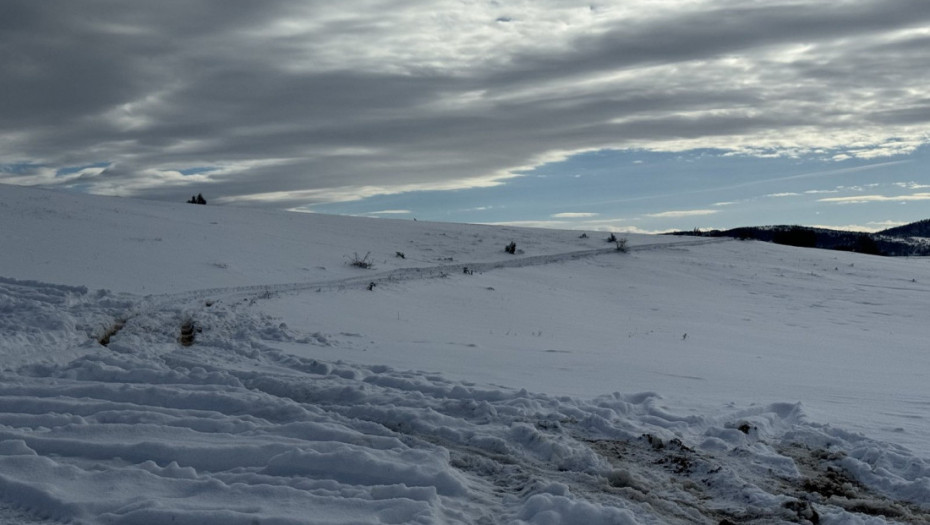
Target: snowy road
column 414, row 273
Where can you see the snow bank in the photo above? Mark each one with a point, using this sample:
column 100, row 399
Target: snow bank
column 149, row 431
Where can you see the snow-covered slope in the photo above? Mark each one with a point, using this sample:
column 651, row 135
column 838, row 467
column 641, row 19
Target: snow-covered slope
column 684, row 381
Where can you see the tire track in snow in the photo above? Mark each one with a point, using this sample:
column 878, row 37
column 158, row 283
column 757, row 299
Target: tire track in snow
column 406, row 274
column 184, row 302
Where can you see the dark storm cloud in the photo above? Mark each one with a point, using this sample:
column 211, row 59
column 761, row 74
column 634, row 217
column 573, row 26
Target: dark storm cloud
column 291, row 102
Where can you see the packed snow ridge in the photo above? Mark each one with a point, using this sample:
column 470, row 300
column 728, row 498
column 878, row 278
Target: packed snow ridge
column 196, row 364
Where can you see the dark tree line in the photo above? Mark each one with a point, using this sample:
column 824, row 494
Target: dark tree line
column 905, row 240
column 197, row 199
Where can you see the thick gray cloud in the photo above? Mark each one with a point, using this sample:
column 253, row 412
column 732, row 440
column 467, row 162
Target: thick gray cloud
column 290, row 102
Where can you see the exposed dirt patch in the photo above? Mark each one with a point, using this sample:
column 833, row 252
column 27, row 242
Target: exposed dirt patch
column 684, row 483
column 827, row 482
column 111, row 331
column 694, row 485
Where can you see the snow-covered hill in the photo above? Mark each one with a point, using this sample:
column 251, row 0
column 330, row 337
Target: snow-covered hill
column 683, row 381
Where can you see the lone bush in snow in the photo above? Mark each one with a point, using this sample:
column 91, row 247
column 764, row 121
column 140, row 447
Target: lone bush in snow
column 361, row 262
column 621, row 245
column 511, row 248
column 187, row 333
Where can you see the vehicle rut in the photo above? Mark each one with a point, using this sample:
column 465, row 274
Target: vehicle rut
column 401, row 274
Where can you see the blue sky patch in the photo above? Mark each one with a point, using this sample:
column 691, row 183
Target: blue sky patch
column 683, row 190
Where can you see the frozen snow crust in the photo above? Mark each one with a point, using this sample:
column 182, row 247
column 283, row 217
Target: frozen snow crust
column 290, row 405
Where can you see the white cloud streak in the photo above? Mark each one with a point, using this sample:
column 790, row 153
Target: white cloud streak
column 574, row 215
column 783, row 194
column 864, row 199
column 676, row 214
column 603, row 225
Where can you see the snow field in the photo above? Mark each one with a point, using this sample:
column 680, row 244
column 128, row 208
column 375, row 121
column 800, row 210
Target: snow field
column 708, row 326
column 678, row 383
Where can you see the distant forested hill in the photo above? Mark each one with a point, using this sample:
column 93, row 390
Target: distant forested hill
column 908, row 240
column 914, row 229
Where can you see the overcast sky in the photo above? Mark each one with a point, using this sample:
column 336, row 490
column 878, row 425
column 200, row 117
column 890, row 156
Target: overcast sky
column 683, row 113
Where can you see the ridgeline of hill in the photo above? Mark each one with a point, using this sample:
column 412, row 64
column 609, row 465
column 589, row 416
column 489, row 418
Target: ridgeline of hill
column 909, row 240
